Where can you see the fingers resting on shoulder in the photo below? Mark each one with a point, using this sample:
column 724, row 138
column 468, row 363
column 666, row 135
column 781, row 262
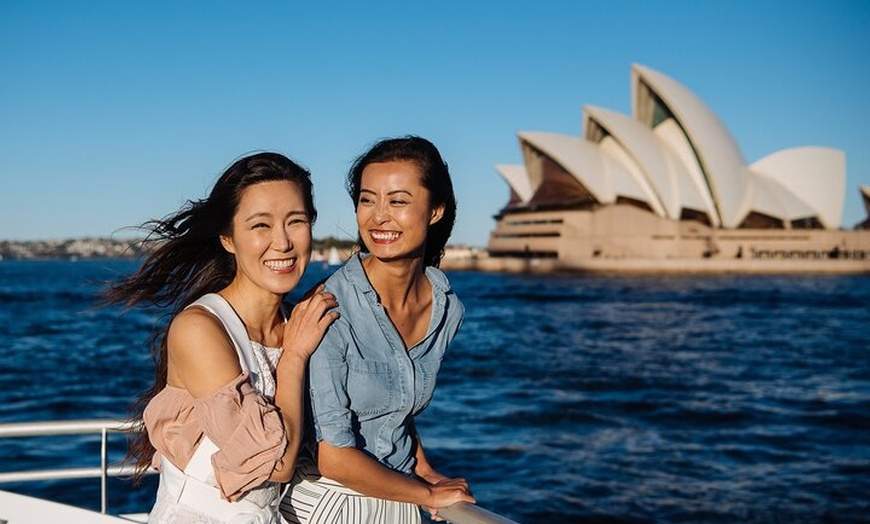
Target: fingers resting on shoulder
column 309, row 321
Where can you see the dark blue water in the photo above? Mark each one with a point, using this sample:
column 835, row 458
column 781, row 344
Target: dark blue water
column 564, row 399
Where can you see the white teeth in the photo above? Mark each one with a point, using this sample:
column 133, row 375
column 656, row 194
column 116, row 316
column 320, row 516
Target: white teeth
column 385, row 235
column 280, row 264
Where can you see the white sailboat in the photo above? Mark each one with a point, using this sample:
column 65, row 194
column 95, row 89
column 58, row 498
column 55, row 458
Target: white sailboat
column 333, row 259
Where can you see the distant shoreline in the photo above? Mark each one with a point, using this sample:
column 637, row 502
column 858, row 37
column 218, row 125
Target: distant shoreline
column 673, row 266
column 457, row 258
column 86, row 248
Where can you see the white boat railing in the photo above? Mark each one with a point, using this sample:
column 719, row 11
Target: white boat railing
column 101, row 427
column 465, row 513
column 459, row 513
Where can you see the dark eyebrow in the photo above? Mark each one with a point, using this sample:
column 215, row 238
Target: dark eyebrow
column 257, row 215
column 263, row 214
column 393, row 192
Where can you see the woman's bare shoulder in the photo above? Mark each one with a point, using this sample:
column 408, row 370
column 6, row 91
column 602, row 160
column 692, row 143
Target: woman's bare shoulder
column 201, row 354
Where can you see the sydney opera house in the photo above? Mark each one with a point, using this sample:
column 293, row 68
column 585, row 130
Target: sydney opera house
column 668, row 188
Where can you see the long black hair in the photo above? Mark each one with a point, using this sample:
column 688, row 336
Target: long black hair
column 435, row 176
column 188, row 261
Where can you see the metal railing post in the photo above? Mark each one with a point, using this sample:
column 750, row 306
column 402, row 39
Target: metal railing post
column 104, row 456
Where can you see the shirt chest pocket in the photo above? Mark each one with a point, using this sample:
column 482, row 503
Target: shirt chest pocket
column 426, row 371
column 372, row 387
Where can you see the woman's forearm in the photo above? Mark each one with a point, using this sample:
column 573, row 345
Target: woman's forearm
column 356, row 470
column 289, row 395
column 303, row 332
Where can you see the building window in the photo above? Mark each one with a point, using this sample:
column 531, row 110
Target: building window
column 756, row 220
column 687, row 214
column 660, row 112
column 635, row 203
column 559, row 189
column 807, row 223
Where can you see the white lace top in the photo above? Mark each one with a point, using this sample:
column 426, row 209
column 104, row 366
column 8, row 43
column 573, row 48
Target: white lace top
column 267, row 358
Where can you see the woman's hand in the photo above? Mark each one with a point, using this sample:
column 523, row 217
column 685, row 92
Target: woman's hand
column 303, row 331
column 447, row 492
column 308, row 323
column 423, row 469
column 443, row 491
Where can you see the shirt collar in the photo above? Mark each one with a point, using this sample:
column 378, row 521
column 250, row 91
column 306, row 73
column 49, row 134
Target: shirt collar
column 357, row 276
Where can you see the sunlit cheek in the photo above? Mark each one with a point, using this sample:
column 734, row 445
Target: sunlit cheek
column 302, row 239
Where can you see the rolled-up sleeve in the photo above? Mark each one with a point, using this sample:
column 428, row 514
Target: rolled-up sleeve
column 249, row 432
column 330, row 405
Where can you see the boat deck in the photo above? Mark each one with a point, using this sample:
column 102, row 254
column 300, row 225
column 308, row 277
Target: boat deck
column 23, row 509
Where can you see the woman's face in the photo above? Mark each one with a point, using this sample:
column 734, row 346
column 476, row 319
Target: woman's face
column 271, row 236
column 393, row 213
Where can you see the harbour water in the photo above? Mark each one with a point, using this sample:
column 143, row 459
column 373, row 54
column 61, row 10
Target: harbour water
column 566, row 398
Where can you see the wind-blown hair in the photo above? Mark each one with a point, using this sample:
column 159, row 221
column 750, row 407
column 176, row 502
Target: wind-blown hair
column 435, row 177
column 188, row 261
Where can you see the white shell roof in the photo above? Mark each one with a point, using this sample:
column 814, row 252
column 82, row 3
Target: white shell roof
column 579, row 157
column 630, row 180
column 688, row 161
column 694, row 191
column 816, row 175
column 769, row 197
column 518, row 179
column 595, row 166
column 670, row 178
column 717, row 151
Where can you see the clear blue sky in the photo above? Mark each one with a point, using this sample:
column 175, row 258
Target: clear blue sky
column 115, row 112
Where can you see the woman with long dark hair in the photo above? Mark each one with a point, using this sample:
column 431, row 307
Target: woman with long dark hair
column 376, row 367
column 223, row 420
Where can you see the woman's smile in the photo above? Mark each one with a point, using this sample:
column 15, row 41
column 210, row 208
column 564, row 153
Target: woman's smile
column 282, row 266
column 384, row 237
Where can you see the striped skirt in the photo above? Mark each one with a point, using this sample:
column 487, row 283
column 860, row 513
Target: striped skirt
column 312, row 499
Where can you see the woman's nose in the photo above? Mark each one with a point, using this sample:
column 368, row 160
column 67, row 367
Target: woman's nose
column 281, row 240
column 381, row 213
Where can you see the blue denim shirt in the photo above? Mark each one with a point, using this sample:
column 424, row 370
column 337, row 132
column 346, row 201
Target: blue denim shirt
column 365, row 387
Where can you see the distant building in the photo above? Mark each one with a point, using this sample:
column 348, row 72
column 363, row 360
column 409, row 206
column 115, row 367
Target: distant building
column 668, row 188
column 865, row 195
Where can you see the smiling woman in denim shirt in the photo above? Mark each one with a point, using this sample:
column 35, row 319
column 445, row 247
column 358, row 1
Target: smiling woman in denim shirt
column 377, row 365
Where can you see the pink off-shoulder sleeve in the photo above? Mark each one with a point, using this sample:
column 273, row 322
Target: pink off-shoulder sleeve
column 167, row 418
column 249, row 432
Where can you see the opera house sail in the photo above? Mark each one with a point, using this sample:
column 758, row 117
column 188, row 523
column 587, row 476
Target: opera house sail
column 668, row 188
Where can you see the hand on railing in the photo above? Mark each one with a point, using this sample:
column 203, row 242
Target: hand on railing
column 465, row 513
